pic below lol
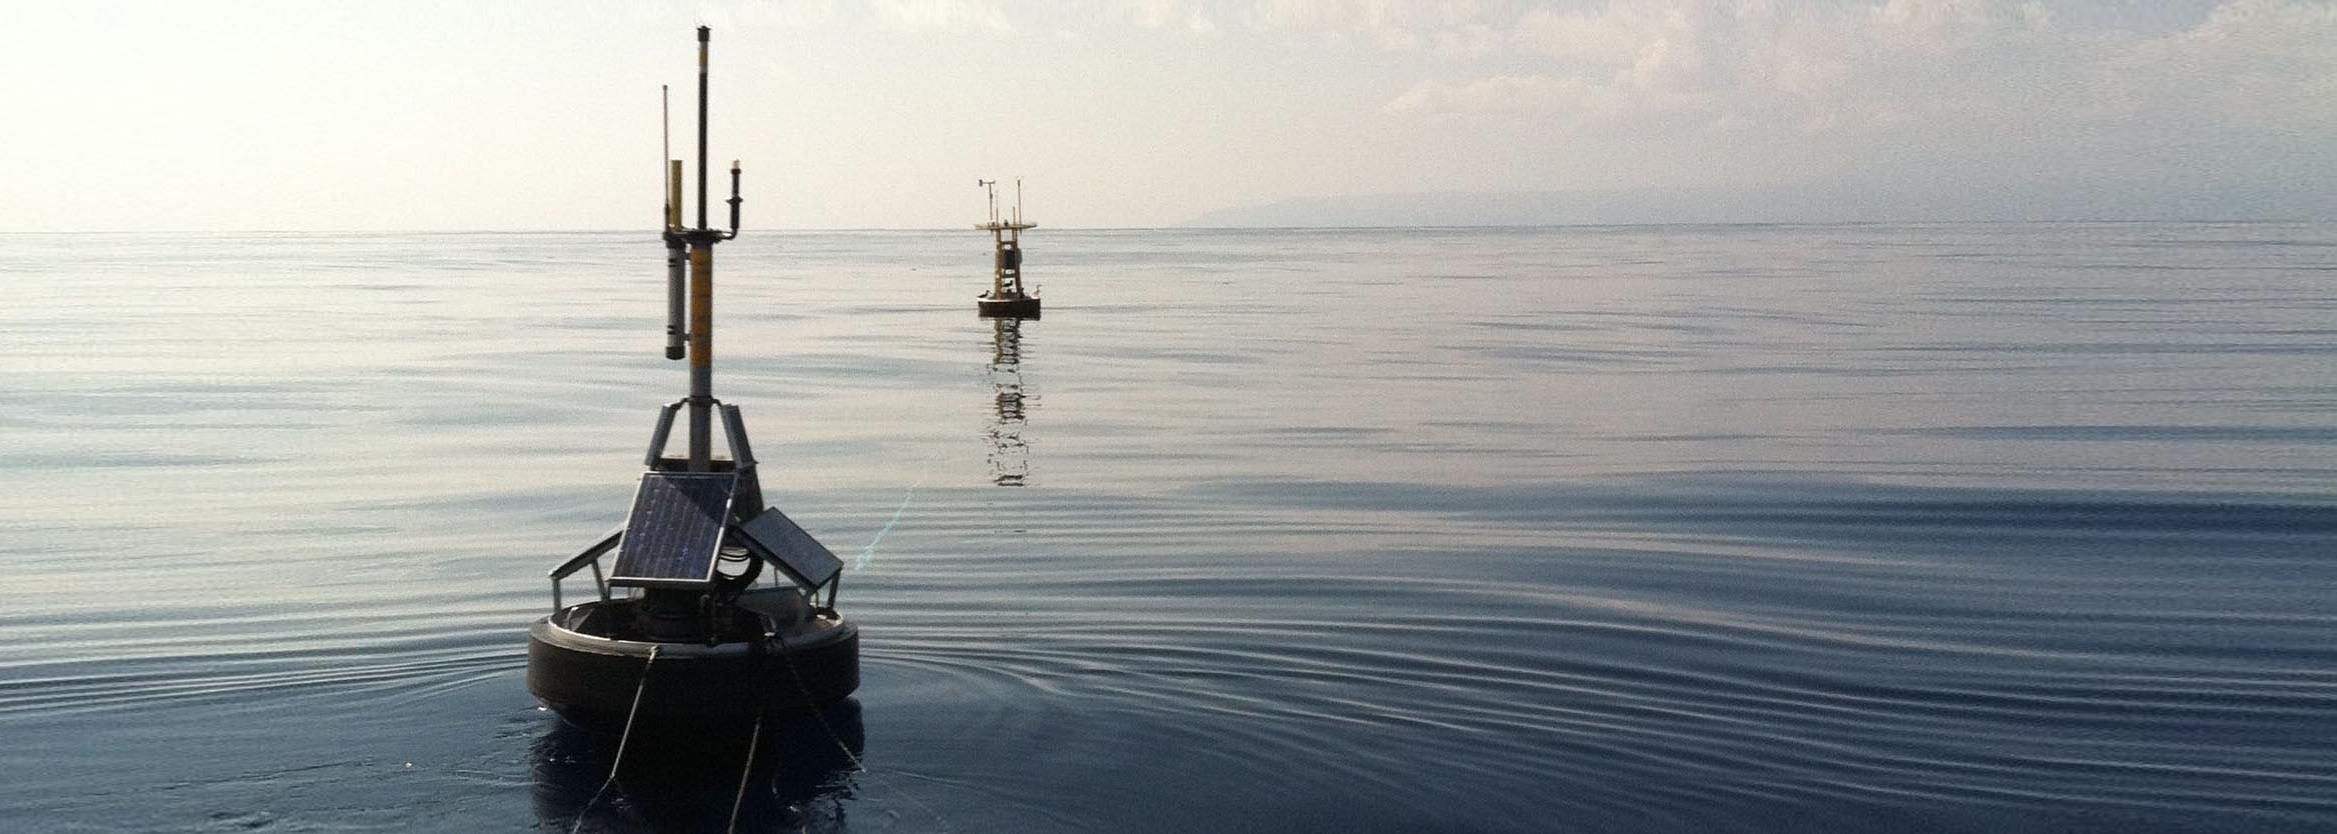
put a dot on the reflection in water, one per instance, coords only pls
(800, 780)
(1010, 454)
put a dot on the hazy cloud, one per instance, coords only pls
(1172, 14)
(1453, 26)
(1828, 67)
(1531, 94)
(942, 14)
(1147, 111)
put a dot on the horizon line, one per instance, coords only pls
(1196, 227)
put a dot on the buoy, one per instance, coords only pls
(680, 633)
(1006, 298)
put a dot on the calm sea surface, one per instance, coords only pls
(1962, 528)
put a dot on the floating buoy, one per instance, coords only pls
(680, 632)
(1006, 298)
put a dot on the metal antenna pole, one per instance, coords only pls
(734, 198)
(676, 254)
(665, 130)
(702, 296)
(705, 34)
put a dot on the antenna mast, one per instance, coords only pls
(676, 254)
(698, 342)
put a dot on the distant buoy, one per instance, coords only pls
(1006, 298)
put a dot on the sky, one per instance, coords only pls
(322, 115)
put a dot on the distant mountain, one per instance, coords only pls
(1799, 203)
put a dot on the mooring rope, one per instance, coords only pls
(788, 655)
(741, 797)
(910, 495)
(622, 738)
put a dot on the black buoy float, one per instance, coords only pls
(680, 632)
(1006, 298)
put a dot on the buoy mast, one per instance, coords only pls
(699, 241)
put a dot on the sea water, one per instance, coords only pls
(1637, 529)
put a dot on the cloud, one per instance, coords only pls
(786, 13)
(1970, 66)
(1527, 94)
(1465, 27)
(987, 15)
(1172, 14)
(2261, 63)
(1189, 16)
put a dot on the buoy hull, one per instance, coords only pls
(591, 681)
(1022, 307)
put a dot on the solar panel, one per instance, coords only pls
(774, 536)
(675, 530)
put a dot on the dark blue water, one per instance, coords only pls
(1665, 529)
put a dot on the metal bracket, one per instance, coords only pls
(590, 556)
(734, 429)
(665, 429)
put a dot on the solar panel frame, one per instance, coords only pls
(674, 532)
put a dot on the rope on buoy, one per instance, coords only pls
(622, 738)
(788, 655)
(741, 797)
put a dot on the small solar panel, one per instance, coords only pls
(774, 536)
(672, 537)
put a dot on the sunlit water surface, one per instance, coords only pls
(1680, 529)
